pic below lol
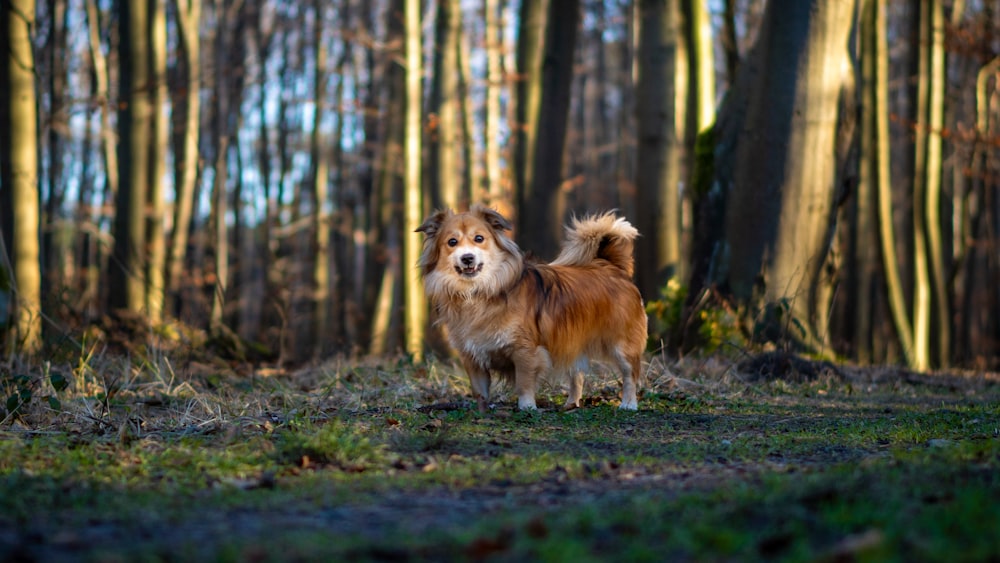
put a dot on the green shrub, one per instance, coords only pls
(704, 329)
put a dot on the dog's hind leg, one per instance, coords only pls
(631, 366)
(575, 374)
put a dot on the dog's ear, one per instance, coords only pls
(433, 223)
(493, 218)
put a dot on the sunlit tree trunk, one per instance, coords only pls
(491, 132)
(699, 107)
(109, 143)
(19, 169)
(155, 233)
(442, 107)
(657, 174)
(186, 156)
(416, 307)
(701, 54)
(388, 192)
(467, 189)
(887, 235)
(930, 293)
(128, 263)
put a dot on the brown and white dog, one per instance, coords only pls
(518, 319)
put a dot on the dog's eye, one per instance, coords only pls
(479, 238)
(452, 241)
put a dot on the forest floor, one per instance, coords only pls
(163, 458)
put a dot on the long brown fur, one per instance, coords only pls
(516, 319)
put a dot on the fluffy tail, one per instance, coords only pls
(604, 236)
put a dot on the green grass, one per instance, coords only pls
(343, 462)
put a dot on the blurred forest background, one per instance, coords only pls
(817, 173)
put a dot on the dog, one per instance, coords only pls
(518, 319)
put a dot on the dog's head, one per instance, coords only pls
(466, 252)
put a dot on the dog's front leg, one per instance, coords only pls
(479, 379)
(527, 367)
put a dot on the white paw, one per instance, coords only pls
(629, 406)
(526, 404)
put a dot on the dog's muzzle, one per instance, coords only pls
(467, 266)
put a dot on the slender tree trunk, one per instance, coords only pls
(85, 243)
(932, 209)
(53, 248)
(186, 157)
(887, 236)
(108, 145)
(416, 307)
(320, 196)
(220, 196)
(155, 233)
(930, 297)
(467, 188)
(864, 265)
(658, 201)
(528, 96)
(128, 264)
(387, 218)
(491, 133)
(344, 193)
(443, 122)
(19, 169)
(699, 108)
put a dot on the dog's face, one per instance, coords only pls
(466, 251)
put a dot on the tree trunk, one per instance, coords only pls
(730, 45)
(220, 168)
(930, 303)
(531, 39)
(19, 169)
(467, 185)
(861, 273)
(491, 133)
(54, 246)
(387, 192)
(128, 265)
(186, 156)
(657, 175)
(442, 107)
(542, 200)
(109, 143)
(320, 176)
(780, 220)
(416, 308)
(887, 237)
(155, 233)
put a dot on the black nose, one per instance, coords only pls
(468, 259)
